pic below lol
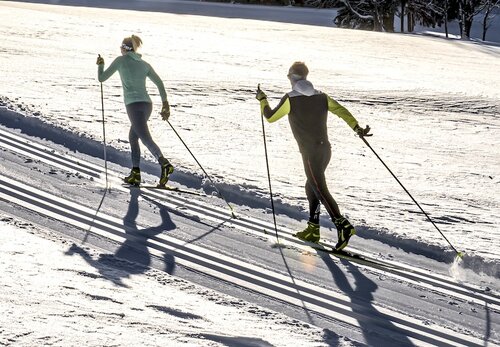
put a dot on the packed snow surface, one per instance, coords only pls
(93, 266)
(433, 106)
(64, 299)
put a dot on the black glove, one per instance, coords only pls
(100, 60)
(260, 94)
(362, 131)
(165, 110)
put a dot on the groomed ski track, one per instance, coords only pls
(204, 244)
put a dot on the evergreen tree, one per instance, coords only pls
(377, 15)
(465, 11)
(428, 13)
(490, 6)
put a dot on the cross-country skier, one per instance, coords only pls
(133, 72)
(308, 111)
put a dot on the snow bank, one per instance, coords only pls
(252, 197)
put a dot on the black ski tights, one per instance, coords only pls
(315, 163)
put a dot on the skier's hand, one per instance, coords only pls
(362, 132)
(100, 60)
(165, 111)
(260, 94)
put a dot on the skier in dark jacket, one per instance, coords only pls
(308, 112)
(133, 72)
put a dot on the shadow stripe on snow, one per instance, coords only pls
(252, 225)
(230, 270)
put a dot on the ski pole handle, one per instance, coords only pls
(100, 60)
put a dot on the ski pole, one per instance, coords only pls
(272, 204)
(105, 168)
(104, 136)
(459, 254)
(197, 162)
(268, 171)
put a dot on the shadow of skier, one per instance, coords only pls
(361, 295)
(133, 256)
(135, 249)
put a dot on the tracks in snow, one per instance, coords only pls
(327, 303)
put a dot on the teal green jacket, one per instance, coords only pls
(133, 72)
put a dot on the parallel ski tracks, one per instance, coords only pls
(320, 300)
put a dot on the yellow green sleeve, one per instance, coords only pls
(280, 111)
(263, 104)
(342, 112)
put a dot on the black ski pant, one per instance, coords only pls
(315, 161)
(138, 113)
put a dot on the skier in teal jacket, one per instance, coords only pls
(307, 110)
(133, 72)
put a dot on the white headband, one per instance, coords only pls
(125, 47)
(296, 77)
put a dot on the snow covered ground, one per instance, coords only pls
(51, 297)
(128, 240)
(434, 120)
(433, 106)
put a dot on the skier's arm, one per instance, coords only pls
(272, 115)
(104, 75)
(153, 76)
(342, 112)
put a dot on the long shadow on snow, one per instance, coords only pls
(192, 241)
(132, 257)
(361, 295)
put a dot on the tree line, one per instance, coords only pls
(379, 15)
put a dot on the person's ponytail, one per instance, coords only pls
(136, 42)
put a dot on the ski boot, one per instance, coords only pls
(134, 178)
(166, 171)
(310, 233)
(344, 232)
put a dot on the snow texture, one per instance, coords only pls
(433, 105)
(52, 297)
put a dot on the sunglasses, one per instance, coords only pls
(125, 47)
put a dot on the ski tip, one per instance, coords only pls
(460, 255)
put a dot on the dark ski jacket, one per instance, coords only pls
(308, 112)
